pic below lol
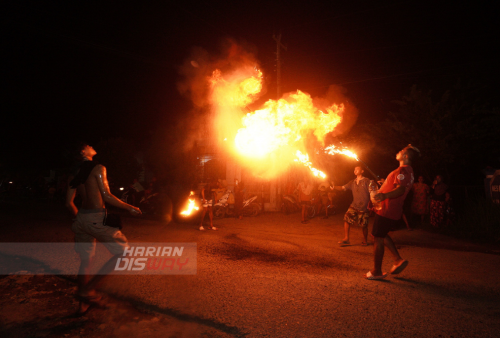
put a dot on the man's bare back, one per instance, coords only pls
(89, 225)
(95, 191)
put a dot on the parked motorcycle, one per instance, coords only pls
(149, 204)
(291, 205)
(250, 207)
(223, 207)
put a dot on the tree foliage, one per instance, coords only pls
(455, 131)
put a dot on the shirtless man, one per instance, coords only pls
(91, 184)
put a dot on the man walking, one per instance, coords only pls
(358, 213)
(392, 195)
(91, 184)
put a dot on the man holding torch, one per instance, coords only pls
(358, 210)
(391, 196)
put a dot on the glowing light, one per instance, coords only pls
(191, 206)
(332, 150)
(304, 159)
(284, 122)
(268, 138)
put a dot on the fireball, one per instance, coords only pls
(274, 136)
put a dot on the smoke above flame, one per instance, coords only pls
(268, 138)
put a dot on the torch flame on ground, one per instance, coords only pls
(190, 207)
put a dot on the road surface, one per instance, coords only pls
(266, 276)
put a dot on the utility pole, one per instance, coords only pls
(277, 38)
(276, 191)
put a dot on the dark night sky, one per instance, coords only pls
(96, 69)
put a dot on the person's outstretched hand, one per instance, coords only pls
(135, 211)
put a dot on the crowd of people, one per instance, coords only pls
(432, 203)
(386, 203)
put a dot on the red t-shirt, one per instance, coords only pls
(393, 207)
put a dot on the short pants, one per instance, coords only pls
(88, 226)
(356, 217)
(207, 204)
(305, 202)
(382, 225)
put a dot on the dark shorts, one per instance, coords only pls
(382, 226)
(305, 202)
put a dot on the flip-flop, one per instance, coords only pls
(345, 242)
(98, 300)
(399, 268)
(369, 276)
(89, 302)
(364, 244)
(80, 313)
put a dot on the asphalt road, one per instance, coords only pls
(271, 276)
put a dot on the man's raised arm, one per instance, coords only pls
(107, 196)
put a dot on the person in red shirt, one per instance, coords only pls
(391, 195)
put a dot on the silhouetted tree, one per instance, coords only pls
(454, 132)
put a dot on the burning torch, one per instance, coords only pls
(332, 150)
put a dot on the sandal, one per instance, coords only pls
(89, 302)
(370, 276)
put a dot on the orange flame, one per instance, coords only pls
(268, 138)
(332, 150)
(190, 206)
(238, 90)
(304, 159)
